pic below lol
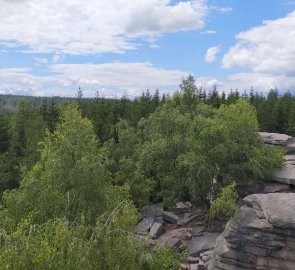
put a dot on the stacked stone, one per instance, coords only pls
(261, 237)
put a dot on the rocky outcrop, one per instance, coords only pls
(280, 140)
(261, 237)
(286, 174)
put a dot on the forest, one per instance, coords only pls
(75, 173)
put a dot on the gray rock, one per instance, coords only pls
(160, 219)
(144, 225)
(153, 210)
(274, 138)
(276, 187)
(156, 230)
(171, 242)
(170, 217)
(252, 241)
(181, 208)
(191, 259)
(286, 174)
(279, 209)
(201, 244)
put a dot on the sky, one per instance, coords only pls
(113, 48)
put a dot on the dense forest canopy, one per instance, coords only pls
(74, 174)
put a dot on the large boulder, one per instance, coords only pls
(203, 243)
(275, 139)
(154, 210)
(261, 237)
(287, 173)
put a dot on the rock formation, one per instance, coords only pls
(261, 237)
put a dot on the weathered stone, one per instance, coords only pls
(194, 267)
(191, 259)
(279, 209)
(286, 174)
(185, 266)
(171, 242)
(276, 187)
(170, 217)
(201, 265)
(275, 138)
(153, 210)
(156, 230)
(264, 242)
(160, 219)
(144, 225)
(181, 208)
(203, 243)
(185, 221)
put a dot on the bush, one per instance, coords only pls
(225, 204)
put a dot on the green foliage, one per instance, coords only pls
(70, 178)
(27, 130)
(225, 204)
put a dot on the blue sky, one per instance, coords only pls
(123, 47)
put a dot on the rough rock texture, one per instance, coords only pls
(170, 217)
(277, 139)
(201, 244)
(144, 225)
(261, 237)
(287, 173)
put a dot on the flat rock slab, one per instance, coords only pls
(181, 208)
(171, 242)
(278, 208)
(276, 187)
(156, 230)
(170, 217)
(201, 244)
(275, 138)
(153, 210)
(144, 225)
(286, 174)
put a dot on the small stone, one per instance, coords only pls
(191, 259)
(184, 266)
(144, 225)
(194, 267)
(171, 242)
(170, 217)
(205, 258)
(156, 230)
(160, 220)
(201, 265)
(188, 236)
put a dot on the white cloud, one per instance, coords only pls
(93, 26)
(211, 54)
(269, 51)
(110, 79)
(209, 32)
(269, 48)
(41, 60)
(221, 9)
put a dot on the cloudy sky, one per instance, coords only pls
(122, 47)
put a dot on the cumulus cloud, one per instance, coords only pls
(269, 51)
(91, 27)
(269, 48)
(110, 79)
(211, 54)
(221, 9)
(209, 32)
(41, 60)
